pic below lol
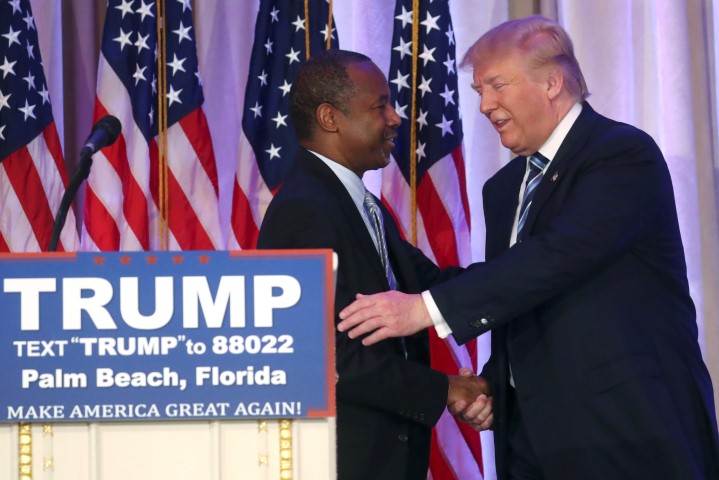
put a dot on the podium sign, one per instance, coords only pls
(166, 335)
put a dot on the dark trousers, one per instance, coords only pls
(522, 461)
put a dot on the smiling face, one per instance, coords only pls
(517, 101)
(367, 126)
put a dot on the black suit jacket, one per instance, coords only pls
(592, 311)
(386, 404)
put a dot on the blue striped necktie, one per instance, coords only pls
(375, 216)
(537, 164)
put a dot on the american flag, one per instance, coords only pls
(123, 194)
(442, 207)
(268, 143)
(32, 169)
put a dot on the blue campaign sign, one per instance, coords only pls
(166, 335)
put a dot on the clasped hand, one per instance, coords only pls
(469, 400)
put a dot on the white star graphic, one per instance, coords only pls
(420, 151)
(173, 96)
(199, 78)
(45, 95)
(285, 87)
(299, 24)
(274, 151)
(144, 10)
(403, 48)
(154, 84)
(124, 39)
(257, 109)
(15, 4)
(424, 86)
(263, 78)
(406, 17)
(30, 79)
(185, 4)
(274, 13)
(28, 110)
(176, 64)
(12, 37)
(2, 127)
(141, 42)
(430, 22)
(445, 125)
(139, 74)
(400, 81)
(450, 34)
(126, 7)
(448, 96)
(30, 52)
(325, 32)
(293, 56)
(279, 120)
(151, 114)
(427, 55)
(400, 109)
(449, 64)
(422, 119)
(7, 68)
(268, 46)
(29, 21)
(183, 33)
(4, 100)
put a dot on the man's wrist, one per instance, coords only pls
(440, 325)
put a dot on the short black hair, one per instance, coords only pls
(322, 79)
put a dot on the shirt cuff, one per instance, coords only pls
(440, 325)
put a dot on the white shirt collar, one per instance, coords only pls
(551, 146)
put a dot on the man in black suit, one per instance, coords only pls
(388, 398)
(595, 372)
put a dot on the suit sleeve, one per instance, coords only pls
(617, 198)
(376, 376)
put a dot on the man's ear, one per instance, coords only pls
(555, 82)
(326, 116)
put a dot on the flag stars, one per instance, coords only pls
(424, 86)
(185, 4)
(139, 74)
(326, 33)
(403, 48)
(28, 110)
(124, 39)
(15, 4)
(173, 96)
(449, 64)
(30, 52)
(268, 46)
(422, 119)
(279, 120)
(401, 81)
(151, 114)
(420, 151)
(299, 24)
(293, 56)
(405, 17)
(7, 67)
(30, 79)
(285, 87)
(199, 78)
(141, 42)
(125, 7)
(153, 83)
(183, 33)
(29, 21)
(45, 95)
(12, 37)
(257, 109)
(274, 14)
(2, 128)
(4, 100)
(401, 110)
(430, 23)
(450, 34)
(427, 55)
(445, 125)
(176, 64)
(263, 78)
(274, 151)
(145, 10)
(448, 96)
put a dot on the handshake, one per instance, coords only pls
(469, 399)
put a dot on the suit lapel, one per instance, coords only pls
(500, 206)
(571, 147)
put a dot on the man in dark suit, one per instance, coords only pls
(595, 371)
(388, 398)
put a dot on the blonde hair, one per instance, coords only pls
(542, 42)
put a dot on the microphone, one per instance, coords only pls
(103, 133)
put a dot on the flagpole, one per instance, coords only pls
(162, 169)
(413, 123)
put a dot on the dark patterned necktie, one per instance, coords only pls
(375, 216)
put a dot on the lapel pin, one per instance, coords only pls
(555, 176)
